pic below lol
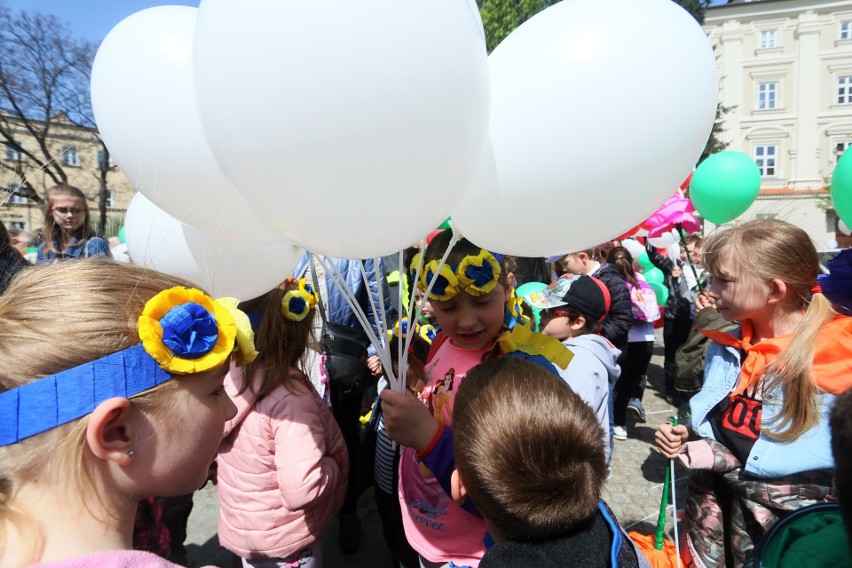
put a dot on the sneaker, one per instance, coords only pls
(619, 432)
(634, 407)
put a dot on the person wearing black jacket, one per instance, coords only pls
(11, 260)
(678, 315)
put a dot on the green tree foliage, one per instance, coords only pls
(501, 17)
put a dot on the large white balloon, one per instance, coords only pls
(242, 270)
(355, 126)
(593, 120)
(143, 97)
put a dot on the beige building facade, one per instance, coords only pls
(785, 71)
(78, 151)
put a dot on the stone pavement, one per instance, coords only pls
(633, 492)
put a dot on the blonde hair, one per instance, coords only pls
(52, 233)
(53, 318)
(769, 249)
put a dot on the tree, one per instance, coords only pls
(501, 17)
(44, 96)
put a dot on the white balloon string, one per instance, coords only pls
(403, 371)
(674, 511)
(379, 316)
(413, 314)
(339, 281)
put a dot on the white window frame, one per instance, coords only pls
(767, 39)
(12, 154)
(844, 89)
(766, 158)
(110, 198)
(71, 157)
(841, 147)
(110, 163)
(845, 31)
(767, 95)
(21, 225)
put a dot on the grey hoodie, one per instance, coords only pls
(590, 373)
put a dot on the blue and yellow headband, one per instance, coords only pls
(424, 331)
(475, 274)
(298, 303)
(183, 331)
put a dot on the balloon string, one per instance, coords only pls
(413, 313)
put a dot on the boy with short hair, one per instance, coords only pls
(573, 310)
(529, 455)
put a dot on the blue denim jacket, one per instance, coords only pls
(768, 458)
(94, 246)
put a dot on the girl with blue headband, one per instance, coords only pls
(110, 392)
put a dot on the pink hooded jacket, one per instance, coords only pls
(283, 470)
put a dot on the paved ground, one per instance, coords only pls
(633, 492)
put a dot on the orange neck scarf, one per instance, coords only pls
(832, 366)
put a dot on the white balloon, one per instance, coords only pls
(665, 240)
(143, 97)
(593, 121)
(354, 125)
(634, 247)
(242, 270)
(843, 227)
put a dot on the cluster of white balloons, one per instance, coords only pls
(354, 128)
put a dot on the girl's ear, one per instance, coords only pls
(457, 488)
(777, 291)
(109, 434)
(510, 280)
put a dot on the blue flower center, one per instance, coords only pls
(297, 305)
(189, 330)
(481, 275)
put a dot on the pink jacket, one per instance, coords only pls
(283, 470)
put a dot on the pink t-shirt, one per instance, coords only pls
(435, 525)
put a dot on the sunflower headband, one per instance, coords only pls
(183, 331)
(475, 274)
(424, 331)
(298, 303)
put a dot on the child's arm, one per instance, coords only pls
(310, 455)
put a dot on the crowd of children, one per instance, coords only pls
(118, 384)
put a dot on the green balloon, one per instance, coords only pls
(724, 185)
(661, 291)
(644, 261)
(445, 224)
(654, 275)
(121, 234)
(841, 188)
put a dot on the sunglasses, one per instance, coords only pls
(67, 210)
(554, 313)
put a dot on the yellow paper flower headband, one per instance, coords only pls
(183, 331)
(475, 274)
(424, 331)
(298, 303)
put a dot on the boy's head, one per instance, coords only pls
(571, 306)
(582, 262)
(470, 293)
(528, 450)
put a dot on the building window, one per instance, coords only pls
(13, 153)
(766, 216)
(844, 89)
(766, 99)
(764, 157)
(110, 199)
(768, 39)
(103, 162)
(841, 147)
(846, 30)
(16, 194)
(20, 225)
(70, 157)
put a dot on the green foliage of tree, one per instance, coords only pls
(501, 17)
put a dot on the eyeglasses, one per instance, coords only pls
(67, 210)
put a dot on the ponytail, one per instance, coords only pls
(792, 372)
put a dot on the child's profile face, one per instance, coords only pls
(472, 322)
(574, 264)
(185, 444)
(555, 322)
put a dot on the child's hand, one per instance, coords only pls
(671, 438)
(703, 301)
(407, 420)
(375, 365)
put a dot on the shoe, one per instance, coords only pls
(350, 533)
(634, 407)
(619, 432)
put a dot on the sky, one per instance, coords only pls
(91, 19)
